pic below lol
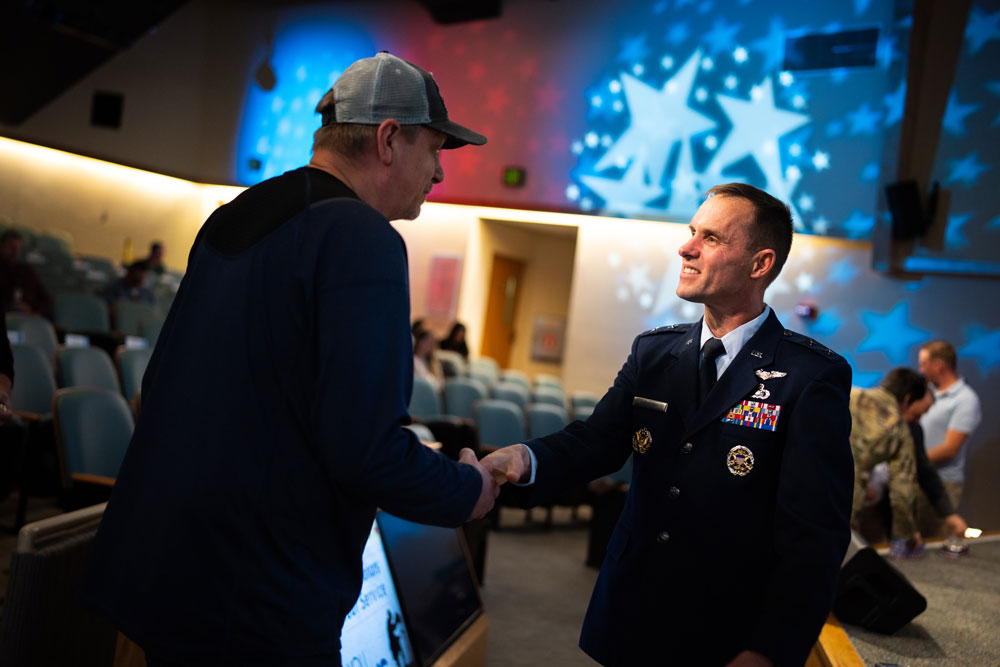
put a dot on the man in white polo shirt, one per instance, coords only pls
(951, 420)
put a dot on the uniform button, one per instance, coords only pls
(674, 492)
(687, 448)
(663, 537)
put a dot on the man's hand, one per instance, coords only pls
(955, 525)
(509, 464)
(490, 489)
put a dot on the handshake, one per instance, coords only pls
(508, 464)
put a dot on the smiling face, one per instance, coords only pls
(717, 263)
(417, 168)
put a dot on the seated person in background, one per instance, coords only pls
(455, 341)
(20, 287)
(879, 433)
(131, 286)
(155, 260)
(417, 328)
(424, 363)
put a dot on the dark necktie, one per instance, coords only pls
(706, 371)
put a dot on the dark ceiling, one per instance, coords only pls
(49, 45)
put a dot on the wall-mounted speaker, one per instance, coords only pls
(909, 218)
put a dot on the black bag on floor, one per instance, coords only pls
(875, 595)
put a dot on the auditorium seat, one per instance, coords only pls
(514, 392)
(544, 380)
(131, 364)
(548, 394)
(500, 422)
(80, 312)
(460, 396)
(150, 329)
(37, 331)
(129, 316)
(35, 383)
(43, 624)
(545, 418)
(452, 363)
(582, 404)
(87, 367)
(93, 429)
(425, 403)
(515, 376)
(484, 369)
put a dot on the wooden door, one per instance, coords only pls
(501, 309)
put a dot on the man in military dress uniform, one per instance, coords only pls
(738, 515)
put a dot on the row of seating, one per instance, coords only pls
(460, 395)
(37, 380)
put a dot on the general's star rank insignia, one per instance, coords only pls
(642, 440)
(740, 461)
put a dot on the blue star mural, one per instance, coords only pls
(983, 346)
(722, 36)
(864, 120)
(954, 235)
(892, 334)
(894, 103)
(981, 28)
(955, 114)
(965, 171)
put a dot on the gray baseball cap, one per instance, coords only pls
(376, 89)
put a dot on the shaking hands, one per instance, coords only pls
(508, 464)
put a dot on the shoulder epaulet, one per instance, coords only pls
(669, 328)
(807, 342)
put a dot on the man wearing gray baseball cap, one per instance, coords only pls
(274, 404)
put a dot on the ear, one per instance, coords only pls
(385, 138)
(763, 262)
(905, 403)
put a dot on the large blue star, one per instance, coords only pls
(628, 195)
(678, 33)
(826, 324)
(954, 235)
(892, 334)
(659, 119)
(864, 120)
(843, 271)
(758, 125)
(633, 49)
(894, 103)
(966, 170)
(722, 36)
(983, 346)
(858, 225)
(955, 113)
(982, 28)
(773, 45)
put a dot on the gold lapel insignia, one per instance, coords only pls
(740, 461)
(642, 440)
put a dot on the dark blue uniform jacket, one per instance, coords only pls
(706, 562)
(270, 430)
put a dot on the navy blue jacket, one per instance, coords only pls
(271, 429)
(705, 562)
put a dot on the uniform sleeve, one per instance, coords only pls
(584, 450)
(902, 483)
(365, 378)
(812, 520)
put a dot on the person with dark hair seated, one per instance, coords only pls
(455, 340)
(20, 287)
(131, 286)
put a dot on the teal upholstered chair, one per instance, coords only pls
(461, 395)
(545, 418)
(130, 315)
(425, 403)
(37, 331)
(34, 383)
(78, 311)
(131, 365)
(87, 367)
(93, 429)
(500, 422)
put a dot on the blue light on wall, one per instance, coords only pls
(277, 126)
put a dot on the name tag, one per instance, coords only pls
(754, 415)
(649, 404)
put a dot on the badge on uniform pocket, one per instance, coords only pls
(739, 461)
(642, 440)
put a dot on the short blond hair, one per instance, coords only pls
(943, 350)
